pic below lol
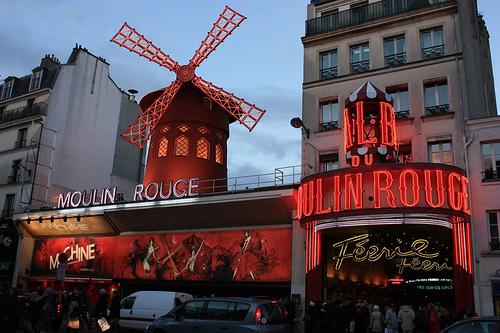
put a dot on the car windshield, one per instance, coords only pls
(172, 312)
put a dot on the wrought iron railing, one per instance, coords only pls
(395, 59)
(329, 126)
(437, 110)
(405, 114)
(13, 179)
(6, 213)
(491, 174)
(20, 143)
(433, 52)
(362, 14)
(23, 112)
(328, 73)
(281, 176)
(360, 66)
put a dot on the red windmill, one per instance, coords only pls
(190, 140)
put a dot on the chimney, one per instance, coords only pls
(49, 61)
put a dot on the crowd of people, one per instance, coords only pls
(50, 310)
(362, 317)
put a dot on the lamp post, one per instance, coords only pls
(298, 123)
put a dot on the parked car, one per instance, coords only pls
(139, 309)
(475, 325)
(228, 314)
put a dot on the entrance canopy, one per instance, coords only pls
(247, 208)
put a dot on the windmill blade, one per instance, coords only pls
(139, 132)
(247, 114)
(228, 20)
(130, 39)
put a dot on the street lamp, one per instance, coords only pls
(297, 123)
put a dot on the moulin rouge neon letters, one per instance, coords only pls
(402, 186)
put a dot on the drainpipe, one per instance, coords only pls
(475, 273)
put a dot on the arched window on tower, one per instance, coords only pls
(181, 146)
(202, 148)
(219, 154)
(163, 147)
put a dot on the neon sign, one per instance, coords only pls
(414, 258)
(370, 127)
(413, 187)
(153, 191)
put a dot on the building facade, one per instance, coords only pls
(45, 117)
(421, 54)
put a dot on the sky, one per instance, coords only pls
(260, 62)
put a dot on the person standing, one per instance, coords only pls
(376, 320)
(391, 320)
(114, 310)
(73, 315)
(433, 319)
(101, 308)
(406, 317)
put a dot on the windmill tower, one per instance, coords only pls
(187, 122)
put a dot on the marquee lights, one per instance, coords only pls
(397, 186)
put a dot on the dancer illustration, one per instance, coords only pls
(148, 261)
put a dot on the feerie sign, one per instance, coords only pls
(153, 191)
(415, 187)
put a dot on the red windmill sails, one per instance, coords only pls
(187, 123)
(247, 114)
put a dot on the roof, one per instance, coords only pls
(50, 67)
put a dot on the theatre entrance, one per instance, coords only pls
(382, 264)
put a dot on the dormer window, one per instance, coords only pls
(36, 79)
(7, 89)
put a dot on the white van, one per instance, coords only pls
(139, 309)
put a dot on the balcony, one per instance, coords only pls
(14, 179)
(24, 112)
(433, 52)
(490, 174)
(395, 59)
(360, 66)
(6, 213)
(437, 110)
(362, 14)
(329, 126)
(402, 114)
(328, 73)
(20, 144)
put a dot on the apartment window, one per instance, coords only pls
(329, 115)
(394, 49)
(8, 206)
(36, 79)
(163, 147)
(493, 227)
(440, 152)
(21, 138)
(431, 42)
(436, 98)
(8, 86)
(181, 146)
(14, 172)
(400, 101)
(360, 58)
(329, 162)
(404, 153)
(491, 160)
(202, 148)
(328, 65)
(219, 154)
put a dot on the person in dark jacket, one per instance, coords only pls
(101, 308)
(114, 310)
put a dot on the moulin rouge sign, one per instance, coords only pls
(153, 191)
(375, 182)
